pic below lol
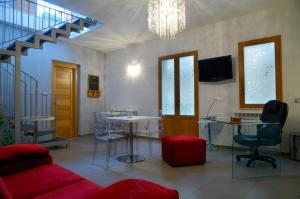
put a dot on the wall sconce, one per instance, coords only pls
(133, 70)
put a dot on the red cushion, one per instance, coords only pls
(4, 192)
(181, 138)
(81, 190)
(21, 151)
(38, 181)
(183, 150)
(18, 166)
(137, 189)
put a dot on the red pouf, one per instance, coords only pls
(183, 150)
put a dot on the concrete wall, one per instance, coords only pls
(210, 41)
(38, 64)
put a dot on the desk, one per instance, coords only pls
(131, 157)
(223, 120)
(249, 128)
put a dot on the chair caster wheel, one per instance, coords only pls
(248, 165)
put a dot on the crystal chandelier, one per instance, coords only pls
(166, 17)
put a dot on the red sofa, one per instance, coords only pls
(26, 171)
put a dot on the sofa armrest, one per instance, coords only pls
(19, 157)
(137, 188)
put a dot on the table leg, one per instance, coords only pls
(35, 133)
(211, 147)
(131, 157)
(131, 140)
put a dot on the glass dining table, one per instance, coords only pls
(131, 120)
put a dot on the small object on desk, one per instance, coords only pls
(235, 120)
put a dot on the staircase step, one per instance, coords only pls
(6, 60)
(77, 22)
(6, 54)
(63, 27)
(30, 39)
(12, 47)
(60, 32)
(44, 38)
(24, 46)
(48, 32)
(89, 22)
(74, 27)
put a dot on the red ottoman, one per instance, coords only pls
(183, 150)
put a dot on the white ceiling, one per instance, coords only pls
(124, 22)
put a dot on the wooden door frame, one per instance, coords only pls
(74, 67)
(176, 82)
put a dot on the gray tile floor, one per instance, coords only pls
(212, 180)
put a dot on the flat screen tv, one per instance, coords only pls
(215, 69)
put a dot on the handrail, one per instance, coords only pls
(22, 72)
(48, 7)
(29, 87)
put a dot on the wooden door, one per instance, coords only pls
(64, 88)
(178, 93)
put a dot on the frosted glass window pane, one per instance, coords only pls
(259, 72)
(168, 87)
(187, 95)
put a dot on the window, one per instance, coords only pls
(168, 87)
(260, 71)
(186, 85)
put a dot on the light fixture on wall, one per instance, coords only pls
(133, 70)
(166, 17)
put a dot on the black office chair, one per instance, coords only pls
(267, 135)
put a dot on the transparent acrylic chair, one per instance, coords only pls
(105, 133)
(153, 129)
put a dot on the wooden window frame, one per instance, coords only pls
(278, 68)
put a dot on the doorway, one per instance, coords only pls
(64, 88)
(178, 93)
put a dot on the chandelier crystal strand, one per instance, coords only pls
(166, 17)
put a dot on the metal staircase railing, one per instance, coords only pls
(21, 18)
(29, 91)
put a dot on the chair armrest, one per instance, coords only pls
(15, 158)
